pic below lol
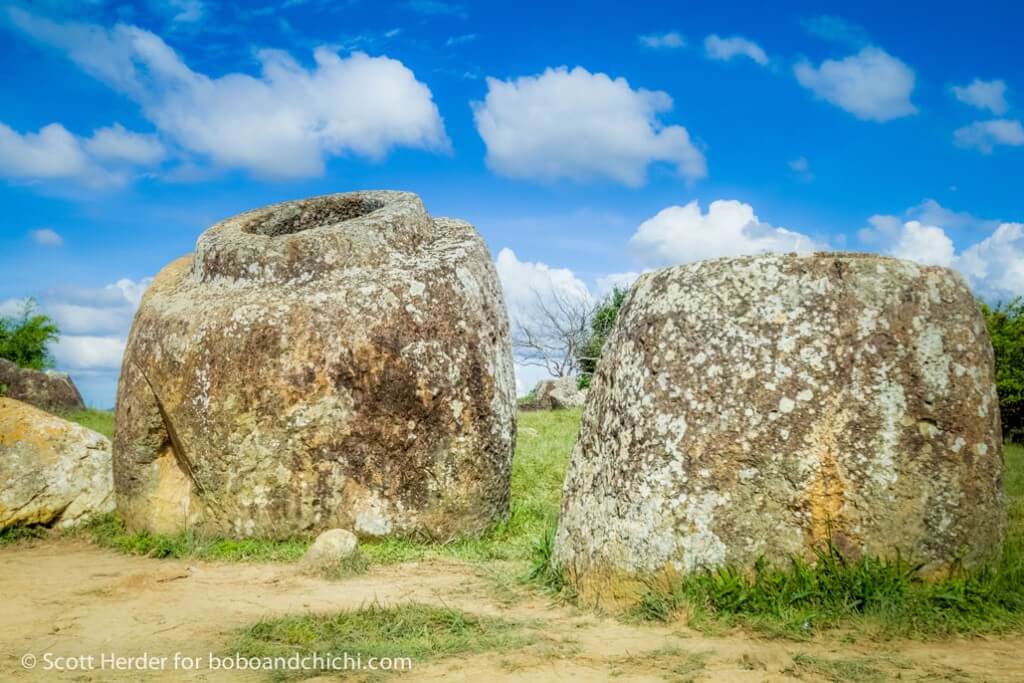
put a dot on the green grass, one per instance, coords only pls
(538, 470)
(101, 421)
(870, 596)
(416, 631)
(16, 534)
(109, 531)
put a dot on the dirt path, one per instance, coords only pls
(72, 599)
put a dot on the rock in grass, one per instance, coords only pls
(341, 361)
(52, 472)
(331, 546)
(560, 392)
(764, 406)
(46, 389)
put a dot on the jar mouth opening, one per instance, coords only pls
(292, 217)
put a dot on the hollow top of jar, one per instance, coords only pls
(307, 238)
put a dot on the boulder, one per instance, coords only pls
(52, 472)
(340, 361)
(764, 406)
(332, 546)
(46, 389)
(560, 392)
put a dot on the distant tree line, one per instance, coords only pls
(1005, 323)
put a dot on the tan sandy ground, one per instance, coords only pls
(68, 597)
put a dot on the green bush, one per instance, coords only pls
(1006, 327)
(24, 339)
(601, 326)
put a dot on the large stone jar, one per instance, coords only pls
(341, 361)
(764, 406)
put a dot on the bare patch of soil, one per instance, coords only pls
(71, 598)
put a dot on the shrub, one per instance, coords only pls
(601, 325)
(24, 339)
(1006, 327)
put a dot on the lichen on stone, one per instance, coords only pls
(761, 406)
(342, 361)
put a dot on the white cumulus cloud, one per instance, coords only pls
(13, 308)
(606, 284)
(54, 153)
(725, 49)
(84, 352)
(923, 243)
(93, 322)
(115, 143)
(989, 95)
(526, 284)
(582, 126)
(993, 265)
(985, 136)
(283, 122)
(871, 84)
(94, 325)
(523, 281)
(680, 234)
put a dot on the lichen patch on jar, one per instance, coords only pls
(340, 361)
(761, 406)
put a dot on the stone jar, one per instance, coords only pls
(767, 405)
(340, 361)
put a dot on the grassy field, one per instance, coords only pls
(412, 632)
(101, 421)
(869, 597)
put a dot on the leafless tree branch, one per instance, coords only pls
(553, 336)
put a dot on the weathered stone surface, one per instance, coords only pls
(560, 392)
(754, 406)
(342, 361)
(52, 472)
(331, 546)
(53, 391)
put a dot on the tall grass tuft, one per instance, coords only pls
(881, 595)
(884, 597)
(875, 596)
(543, 568)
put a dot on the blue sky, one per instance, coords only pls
(586, 146)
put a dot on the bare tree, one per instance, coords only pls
(555, 332)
